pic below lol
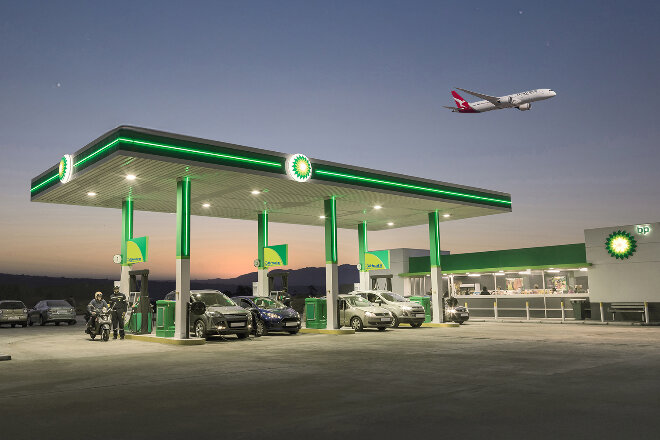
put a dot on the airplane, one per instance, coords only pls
(522, 101)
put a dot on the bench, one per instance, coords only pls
(630, 307)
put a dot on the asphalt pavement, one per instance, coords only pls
(482, 380)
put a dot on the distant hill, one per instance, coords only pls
(31, 289)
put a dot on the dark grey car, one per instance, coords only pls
(222, 315)
(52, 310)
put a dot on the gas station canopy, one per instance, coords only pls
(233, 181)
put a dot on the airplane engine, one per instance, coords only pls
(524, 107)
(508, 100)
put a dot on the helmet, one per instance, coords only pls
(98, 295)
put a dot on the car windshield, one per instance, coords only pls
(12, 305)
(268, 303)
(213, 299)
(58, 303)
(394, 297)
(357, 301)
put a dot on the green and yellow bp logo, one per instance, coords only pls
(299, 168)
(66, 168)
(620, 244)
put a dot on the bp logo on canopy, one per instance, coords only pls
(620, 245)
(298, 167)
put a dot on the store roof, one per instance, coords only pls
(224, 176)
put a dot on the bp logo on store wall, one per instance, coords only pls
(66, 168)
(299, 168)
(620, 244)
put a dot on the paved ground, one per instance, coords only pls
(482, 380)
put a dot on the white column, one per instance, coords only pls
(124, 281)
(182, 298)
(331, 290)
(436, 294)
(262, 283)
(365, 281)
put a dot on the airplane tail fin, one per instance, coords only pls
(461, 103)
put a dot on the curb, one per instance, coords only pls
(167, 341)
(440, 324)
(5, 357)
(325, 331)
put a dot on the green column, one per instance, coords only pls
(330, 208)
(262, 223)
(434, 238)
(362, 244)
(183, 218)
(126, 227)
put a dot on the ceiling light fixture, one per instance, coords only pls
(91, 193)
(255, 192)
(130, 177)
(378, 207)
(206, 205)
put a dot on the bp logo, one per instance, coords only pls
(66, 168)
(299, 168)
(620, 244)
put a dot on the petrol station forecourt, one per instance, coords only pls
(132, 168)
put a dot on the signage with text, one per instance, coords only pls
(136, 250)
(376, 260)
(277, 255)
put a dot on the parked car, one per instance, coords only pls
(52, 310)
(402, 309)
(456, 313)
(359, 313)
(269, 315)
(13, 312)
(222, 315)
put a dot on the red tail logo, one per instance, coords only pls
(461, 103)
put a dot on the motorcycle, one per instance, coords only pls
(101, 325)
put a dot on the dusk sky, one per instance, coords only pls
(356, 82)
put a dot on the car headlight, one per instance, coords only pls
(406, 308)
(369, 314)
(452, 310)
(270, 315)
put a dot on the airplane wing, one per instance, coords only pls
(454, 109)
(491, 99)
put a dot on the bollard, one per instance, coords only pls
(602, 315)
(495, 308)
(527, 309)
(646, 312)
(563, 315)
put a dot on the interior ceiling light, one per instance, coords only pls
(206, 205)
(446, 215)
(321, 216)
(390, 224)
(130, 177)
(255, 192)
(91, 193)
(378, 207)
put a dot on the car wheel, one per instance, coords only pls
(382, 329)
(13, 325)
(42, 321)
(416, 324)
(57, 322)
(241, 335)
(260, 329)
(72, 322)
(356, 324)
(294, 332)
(200, 329)
(395, 321)
(24, 324)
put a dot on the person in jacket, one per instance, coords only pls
(93, 308)
(118, 306)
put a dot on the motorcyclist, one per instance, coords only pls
(118, 306)
(93, 308)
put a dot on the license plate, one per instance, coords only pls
(384, 319)
(292, 323)
(419, 315)
(464, 314)
(236, 324)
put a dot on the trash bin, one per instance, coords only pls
(425, 301)
(165, 318)
(316, 313)
(580, 308)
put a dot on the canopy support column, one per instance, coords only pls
(126, 234)
(331, 274)
(182, 258)
(262, 270)
(436, 271)
(362, 249)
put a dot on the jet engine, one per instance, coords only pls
(524, 107)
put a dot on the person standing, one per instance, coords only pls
(484, 291)
(118, 306)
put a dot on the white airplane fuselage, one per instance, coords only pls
(521, 101)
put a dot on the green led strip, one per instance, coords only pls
(45, 182)
(409, 186)
(96, 153)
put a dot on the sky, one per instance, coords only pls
(361, 83)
